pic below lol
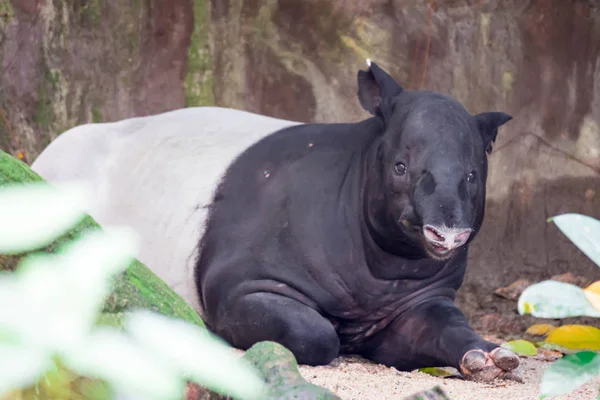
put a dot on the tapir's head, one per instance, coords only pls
(428, 169)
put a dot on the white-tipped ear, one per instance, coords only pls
(368, 62)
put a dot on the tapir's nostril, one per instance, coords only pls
(433, 234)
(462, 237)
(446, 237)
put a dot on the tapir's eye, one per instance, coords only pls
(400, 168)
(471, 176)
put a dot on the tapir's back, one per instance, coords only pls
(157, 174)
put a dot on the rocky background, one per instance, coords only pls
(68, 62)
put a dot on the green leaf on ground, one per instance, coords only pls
(521, 347)
(434, 371)
(569, 373)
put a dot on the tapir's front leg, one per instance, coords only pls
(437, 334)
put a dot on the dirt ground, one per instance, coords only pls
(352, 378)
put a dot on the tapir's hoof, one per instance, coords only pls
(480, 366)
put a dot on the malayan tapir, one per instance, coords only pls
(329, 238)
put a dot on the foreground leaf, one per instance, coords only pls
(20, 366)
(583, 231)
(33, 215)
(552, 299)
(195, 353)
(582, 337)
(569, 373)
(540, 329)
(131, 369)
(521, 347)
(137, 287)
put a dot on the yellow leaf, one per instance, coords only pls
(540, 329)
(576, 337)
(592, 293)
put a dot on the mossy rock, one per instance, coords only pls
(279, 368)
(136, 287)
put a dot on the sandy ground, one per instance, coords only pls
(352, 378)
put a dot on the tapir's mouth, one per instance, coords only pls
(438, 252)
(433, 250)
(440, 249)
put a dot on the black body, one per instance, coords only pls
(353, 238)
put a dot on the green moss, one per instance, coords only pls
(136, 287)
(44, 113)
(96, 115)
(199, 82)
(91, 13)
(7, 13)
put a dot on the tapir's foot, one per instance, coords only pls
(481, 366)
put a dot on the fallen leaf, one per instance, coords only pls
(514, 290)
(571, 278)
(581, 337)
(434, 371)
(592, 293)
(548, 355)
(521, 347)
(540, 329)
(556, 348)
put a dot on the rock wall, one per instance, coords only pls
(537, 60)
(70, 62)
(67, 62)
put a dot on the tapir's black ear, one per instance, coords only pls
(376, 90)
(488, 124)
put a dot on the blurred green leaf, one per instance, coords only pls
(113, 356)
(20, 366)
(521, 347)
(553, 299)
(570, 372)
(34, 215)
(583, 231)
(196, 353)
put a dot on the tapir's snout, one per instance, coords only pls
(444, 239)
